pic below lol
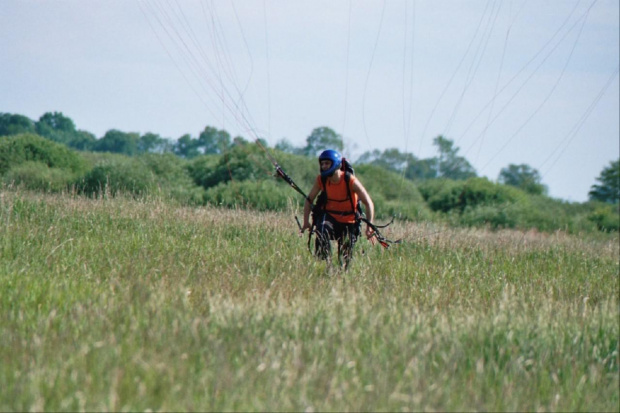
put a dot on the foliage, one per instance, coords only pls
(118, 175)
(13, 124)
(449, 164)
(172, 177)
(242, 162)
(399, 183)
(56, 126)
(284, 145)
(609, 188)
(523, 177)
(210, 141)
(214, 141)
(153, 143)
(83, 141)
(392, 194)
(265, 195)
(321, 139)
(37, 176)
(391, 159)
(480, 202)
(301, 169)
(449, 195)
(186, 147)
(201, 168)
(116, 141)
(421, 169)
(606, 218)
(17, 149)
(60, 128)
(548, 214)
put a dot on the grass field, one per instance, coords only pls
(142, 305)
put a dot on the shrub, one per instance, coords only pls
(28, 147)
(38, 176)
(242, 162)
(447, 195)
(606, 218)
(392, 194)
(495, 217)
(172, 177)
(200, 169)
(260, 195)
(118, 175)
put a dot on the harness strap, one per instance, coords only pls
(347, 180)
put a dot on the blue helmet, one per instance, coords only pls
(330, 155)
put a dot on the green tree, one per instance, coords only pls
(186, 147)
(320, 139)
(368, 157)
(57, 127)
(240, 140)
(83, 141)
(242, 162)
(116, 141)
(391, 159)
(523, 177)
(449, 164)
(13, 124)
(608, 189)
(152, 143)
(213, 141)
(286, 146)
(421, 169)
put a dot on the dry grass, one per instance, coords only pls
(134, 305)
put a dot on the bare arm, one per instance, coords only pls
(308, 205)
(361, 192)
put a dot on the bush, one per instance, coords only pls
(260, 195)
(442, 195)
(606, 218)
(28, 147)
(200, 169)
(392, 194)
(302, 169)
(495, 217)
(118, 175)
(38, 176)
(243, 162)
(448, 195)
(172, 177)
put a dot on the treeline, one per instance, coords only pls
(52, 155)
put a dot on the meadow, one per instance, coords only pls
(143, 305)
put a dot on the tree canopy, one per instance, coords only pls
(11, 124)
(522, 176)
(320, 139)
(608, 189)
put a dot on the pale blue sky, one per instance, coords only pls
(510, 82)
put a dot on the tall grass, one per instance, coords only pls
(119, 304)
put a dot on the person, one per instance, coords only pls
(337, 217)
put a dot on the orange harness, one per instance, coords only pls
(341, 200)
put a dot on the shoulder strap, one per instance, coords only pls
(347, 179)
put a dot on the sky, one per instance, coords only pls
(509, 82)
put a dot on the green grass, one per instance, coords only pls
(142, 305)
